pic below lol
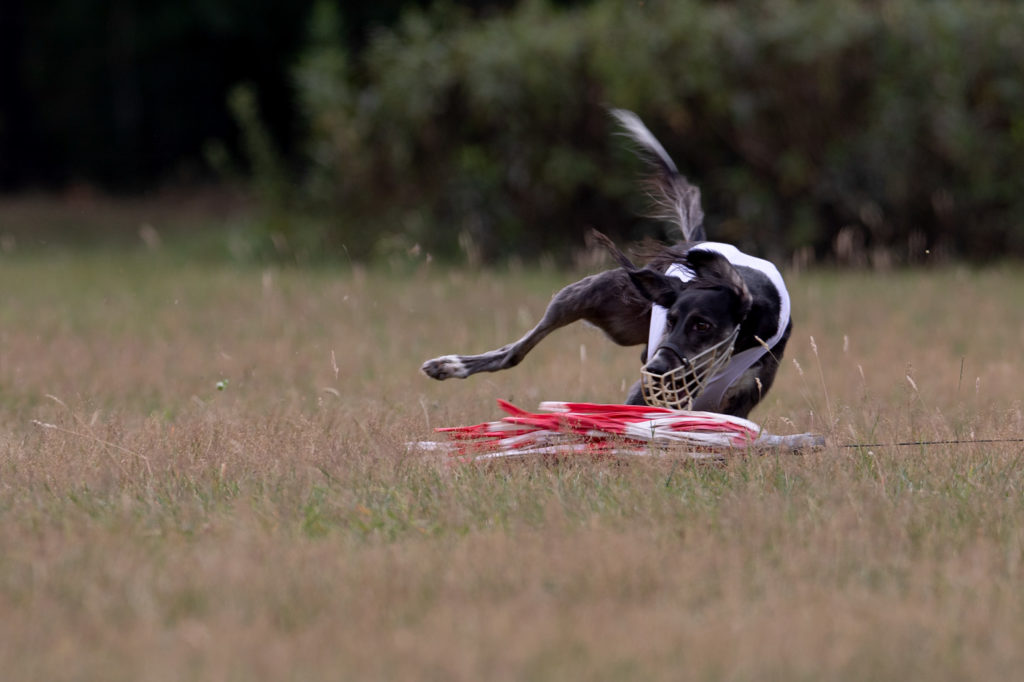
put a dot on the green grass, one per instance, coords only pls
(160, 528)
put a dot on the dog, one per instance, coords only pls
(714, 320)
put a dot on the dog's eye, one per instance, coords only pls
(671, 320)
(700, 326)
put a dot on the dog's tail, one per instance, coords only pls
(622, 259)
(675, 199)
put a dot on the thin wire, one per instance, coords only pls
(931, 442)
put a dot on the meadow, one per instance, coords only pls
(204, 475)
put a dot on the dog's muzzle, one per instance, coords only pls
(678, 388)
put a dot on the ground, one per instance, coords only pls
(203, 475)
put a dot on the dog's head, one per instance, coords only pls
(703, 318)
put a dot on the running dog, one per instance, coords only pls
(715, 320)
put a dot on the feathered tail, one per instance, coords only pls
(675, 199)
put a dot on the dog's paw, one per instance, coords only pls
(445, 367)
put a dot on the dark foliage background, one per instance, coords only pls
(862, 131)
(125, 94)
(865, 131)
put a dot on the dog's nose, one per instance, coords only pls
(661, 363)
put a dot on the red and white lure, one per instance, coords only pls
(564, 428)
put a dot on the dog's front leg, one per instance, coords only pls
(635, 395)
(607, 300)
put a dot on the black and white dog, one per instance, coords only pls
(717, 319)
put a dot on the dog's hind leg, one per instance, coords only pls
(607, 300)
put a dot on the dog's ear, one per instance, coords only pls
(656, 287)
(711, 267)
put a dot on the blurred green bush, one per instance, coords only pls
(864, 131)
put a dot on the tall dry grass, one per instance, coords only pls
(154, 527)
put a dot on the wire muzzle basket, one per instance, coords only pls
(678, 388)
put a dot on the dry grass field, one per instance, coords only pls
(154, 527)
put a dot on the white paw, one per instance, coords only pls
(445, 367)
